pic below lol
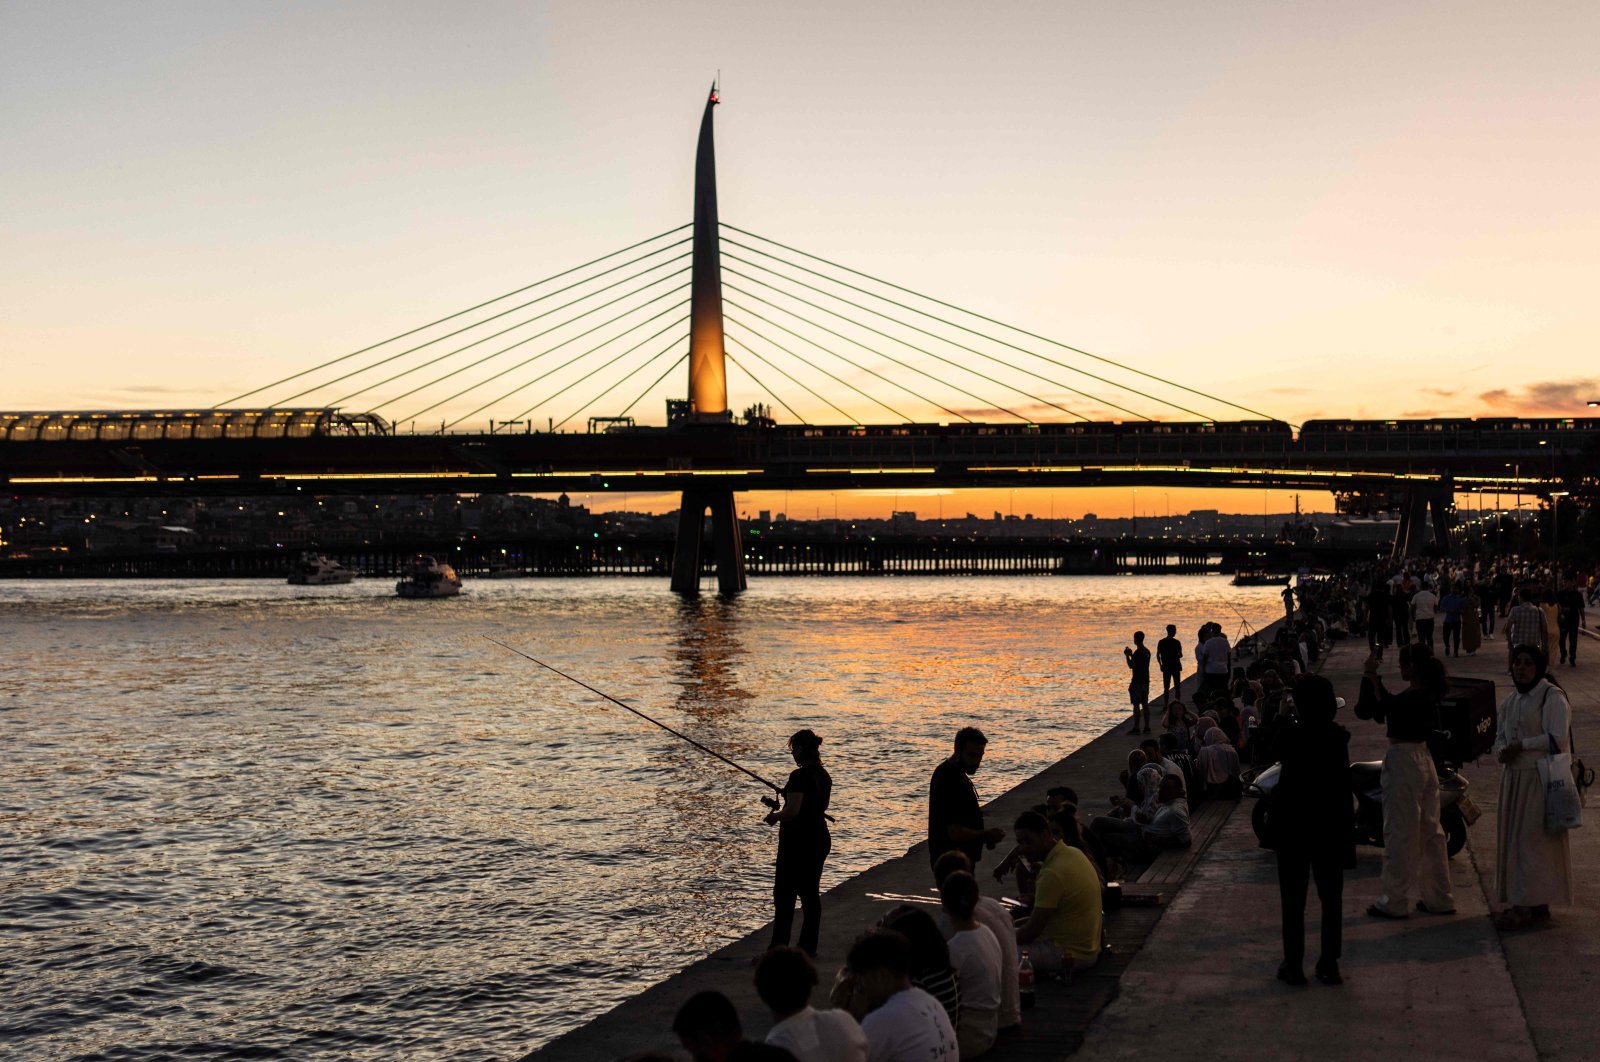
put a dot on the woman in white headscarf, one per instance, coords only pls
(1533, 867)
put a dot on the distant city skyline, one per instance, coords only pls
(1368, 211)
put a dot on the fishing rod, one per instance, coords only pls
(768, 801)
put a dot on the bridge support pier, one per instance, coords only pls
(725, 535)
(1418, 504)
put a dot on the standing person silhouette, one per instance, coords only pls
(803, 844)
(1169, 652)
(1313, 827)
(1138, 658)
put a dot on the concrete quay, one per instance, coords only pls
(1194, 975)
(1051, 1030)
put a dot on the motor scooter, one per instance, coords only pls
(1456, 809)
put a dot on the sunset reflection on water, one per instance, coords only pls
(381, 832)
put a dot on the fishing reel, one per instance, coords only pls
(772, 803)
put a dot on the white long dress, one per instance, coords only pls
(1532, 866)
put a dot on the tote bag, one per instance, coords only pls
(1563, 808)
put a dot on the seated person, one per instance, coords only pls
(930, 968)
(1218, 766)
(708, 1027)
(1059, 796)
(903, 1023)
(1066, 828)
(975, 953)
(784, 980)
(1176, 719)
(1148, 784)
(1141, 841)
(989, 912)
(1063, 931)
(1151, 748)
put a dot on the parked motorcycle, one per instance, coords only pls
(1456, 809)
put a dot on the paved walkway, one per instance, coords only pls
(1428, 988)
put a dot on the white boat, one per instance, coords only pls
(429, 577)
(317, 569)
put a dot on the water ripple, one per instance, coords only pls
(244, 821)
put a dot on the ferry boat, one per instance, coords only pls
(1259, 578)
(318, 569)
(429, 577)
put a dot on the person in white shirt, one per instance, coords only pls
(1424, 606)
(903, 1023)
(784, 980)
(989, 912)
(1214, 660)
(975, 953)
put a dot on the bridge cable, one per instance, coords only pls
(959, 346)
(563, 390)
(551, 372)
(984, 403)
(683, 358)
(779, 369)
(631, 374)
(841, 357)
(529, 339)
(765, 388)
(921, 350)
(551, 350)
(479, 306)
(495, 335)
(1002, 324)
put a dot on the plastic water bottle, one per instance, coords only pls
(1025, 980)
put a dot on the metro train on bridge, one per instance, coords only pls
(1315, 437)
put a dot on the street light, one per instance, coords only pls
(1594, 402)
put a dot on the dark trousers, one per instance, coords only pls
(799, 876)
(1425, 632)
(1452, 635)
(1486, 614)
(1295, 870)
(1170, 681)
(1402, 628)
(1567, 638)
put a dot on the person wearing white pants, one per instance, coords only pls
(1414, 849)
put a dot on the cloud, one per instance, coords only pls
(1558, 397)
(1442, 392)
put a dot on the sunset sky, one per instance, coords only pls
(1356, 210)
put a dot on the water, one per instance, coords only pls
(248, 819)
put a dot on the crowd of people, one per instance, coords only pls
(942, 984)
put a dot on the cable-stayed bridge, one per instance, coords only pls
(847, 380)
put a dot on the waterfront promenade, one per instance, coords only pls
(1194, 976)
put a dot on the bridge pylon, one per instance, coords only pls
(708, 385)
(725, 534)
(1417, 504)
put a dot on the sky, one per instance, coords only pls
(1353, 210)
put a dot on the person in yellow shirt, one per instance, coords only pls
(1063, 931)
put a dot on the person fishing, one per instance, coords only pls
(803, 844)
